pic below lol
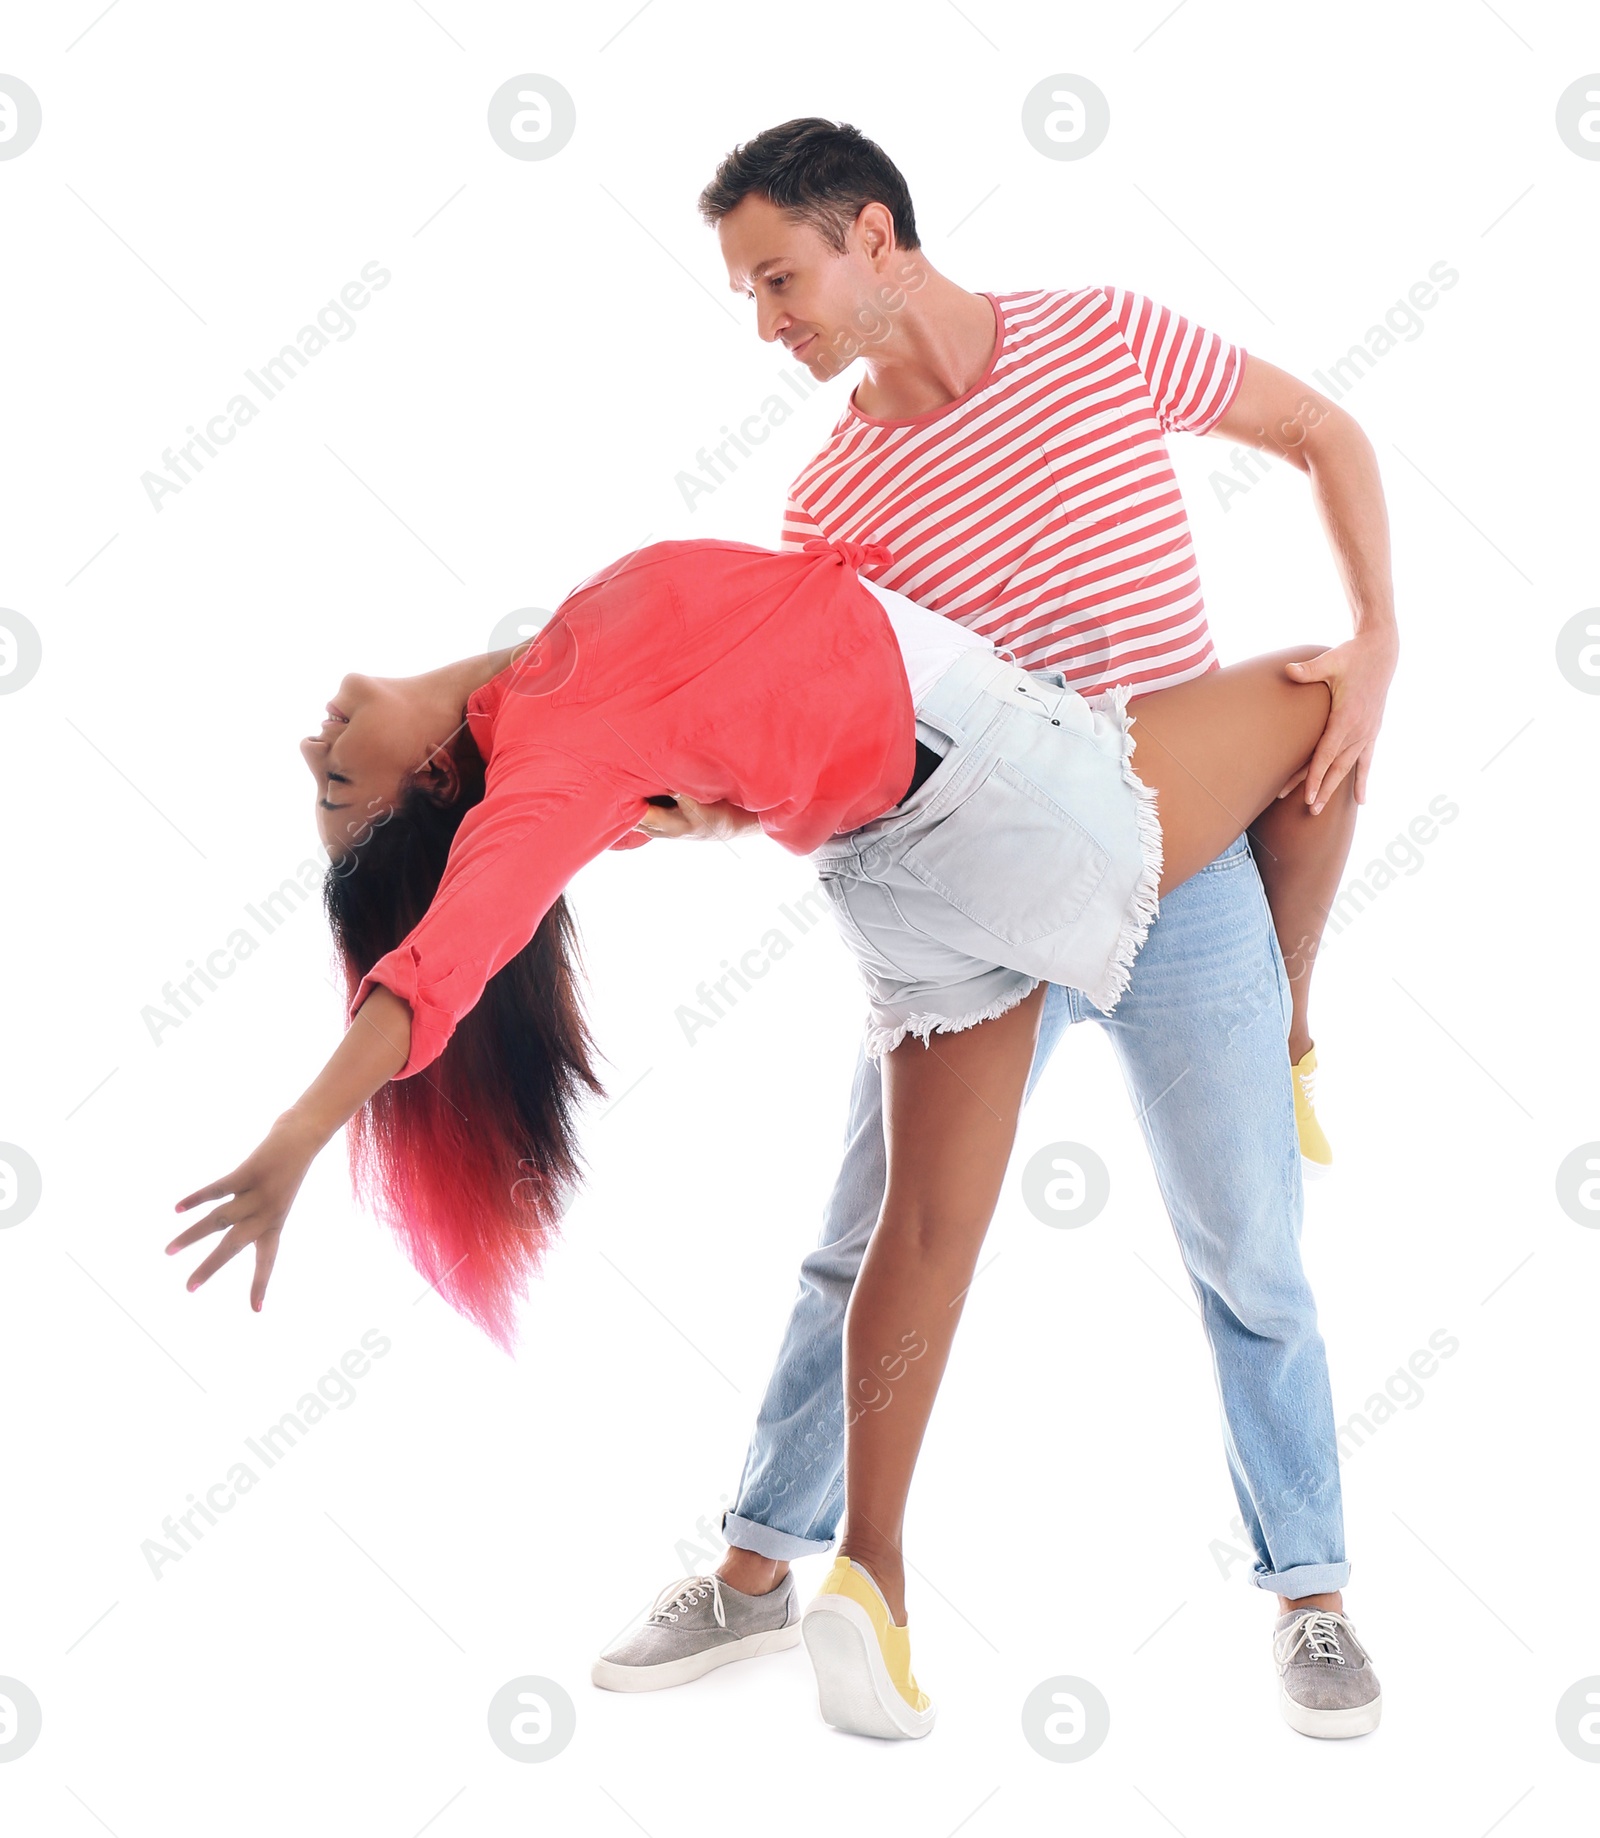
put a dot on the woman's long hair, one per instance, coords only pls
(471, 1161)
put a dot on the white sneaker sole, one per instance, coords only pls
(854, 1690)
(1356, 1720)
(1314, 1171)
(609, 1676)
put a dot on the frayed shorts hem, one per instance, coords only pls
(884, 1036)
(1031, 854)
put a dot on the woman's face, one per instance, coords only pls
(380, 733)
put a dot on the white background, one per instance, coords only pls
(556, 342)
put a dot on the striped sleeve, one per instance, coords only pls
(798, 527)
(1192, 374)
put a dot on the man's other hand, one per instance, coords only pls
(699, 822)
(1357, 673)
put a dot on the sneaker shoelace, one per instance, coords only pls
(677, 1597)
(1308, 1084)
(1318, 1632)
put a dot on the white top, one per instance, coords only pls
(929, 642)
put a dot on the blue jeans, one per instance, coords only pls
(1200, 1034)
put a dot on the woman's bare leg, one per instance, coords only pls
(1216, 750)
(1301, 859)
(950, 1117)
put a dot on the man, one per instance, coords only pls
(1009, 451)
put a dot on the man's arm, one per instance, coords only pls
(1283, 416)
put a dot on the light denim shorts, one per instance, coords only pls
(1031, 854)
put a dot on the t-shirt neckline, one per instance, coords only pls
(932, 414)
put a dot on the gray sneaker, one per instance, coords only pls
(696, 1625)
(1327, 1686)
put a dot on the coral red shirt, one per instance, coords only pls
(772, 680)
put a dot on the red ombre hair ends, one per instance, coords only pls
(471, 1161)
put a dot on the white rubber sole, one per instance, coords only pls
(1357, 1720)
(1314, 1171)
(854, 1690)
(609, 1676)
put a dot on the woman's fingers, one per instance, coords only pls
(262, 1233)
(202, 1228)
(266, 1257)
(216, 1190)
(237, 1238)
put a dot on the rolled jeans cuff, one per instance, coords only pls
(752, 1535)
(1303, 1580)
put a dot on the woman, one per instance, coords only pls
(979, 829)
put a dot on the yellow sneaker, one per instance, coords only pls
(1316, 1156)
(862, 1659)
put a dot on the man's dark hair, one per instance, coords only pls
(821, 172)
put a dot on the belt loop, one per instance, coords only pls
(945, 705)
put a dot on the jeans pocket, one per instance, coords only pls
(842, 891)
(1235, 855)
(1009, 857)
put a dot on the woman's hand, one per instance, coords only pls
(375, 1049)
(262, 1190)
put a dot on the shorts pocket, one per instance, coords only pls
(1009, 858)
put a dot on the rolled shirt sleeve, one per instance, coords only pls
(544, 814)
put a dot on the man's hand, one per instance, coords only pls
(261, 1189)
(1358, 674)
(1280, 415)
(700, 822)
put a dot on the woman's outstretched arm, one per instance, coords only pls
(258, 1193)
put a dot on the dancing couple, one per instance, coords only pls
(975, 686)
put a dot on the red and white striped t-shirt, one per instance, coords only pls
(1040, 508)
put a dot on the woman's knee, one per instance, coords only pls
(929, 1228)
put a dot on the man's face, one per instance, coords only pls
(809, 297)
